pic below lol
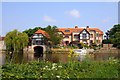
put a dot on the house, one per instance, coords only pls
(39, 36)
(83, 35)
(39, 42)
(2, 44)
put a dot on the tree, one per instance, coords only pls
(107, 38)
(114, 35)
(55, 38)
(30, 31)
(15, 40)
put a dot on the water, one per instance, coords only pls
(52, 57)
(27, 57)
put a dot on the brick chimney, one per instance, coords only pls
(87, 27)
(76, 26)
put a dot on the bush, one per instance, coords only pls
(85, 69)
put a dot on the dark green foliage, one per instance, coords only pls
(114, 35)
(107, 41)
(55, 38)
(85, 69)
(30, 31)
(16, 40)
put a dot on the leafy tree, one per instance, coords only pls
(55, 38)
(115, 35)
(16, 40)
(30, 31)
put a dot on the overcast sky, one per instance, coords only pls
(25, 15)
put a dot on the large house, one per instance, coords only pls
(83, 35)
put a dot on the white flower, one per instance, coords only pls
(58, 76)
(54, 64)
(60, 66)
(53, 67)
(46, 66)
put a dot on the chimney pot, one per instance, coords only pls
(76, 26)
(87, 27)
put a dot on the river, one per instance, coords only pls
(52, 57)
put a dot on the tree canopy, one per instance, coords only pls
(114, 35)
(16, 40)
(55, 38)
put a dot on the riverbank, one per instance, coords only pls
(45, 69)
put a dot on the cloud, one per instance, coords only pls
(106, 20)
(75, 13)
(48, 19)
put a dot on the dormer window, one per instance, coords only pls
(67, 30)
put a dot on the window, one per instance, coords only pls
(91, 35)
(84, 36)
(76, 36)
(66, 36)
(91, 41)
(67, 30)
(97, 35)
(35, 34)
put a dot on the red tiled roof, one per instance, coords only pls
(96, 29)
(42, 32)
(71, 30)
(78, 30)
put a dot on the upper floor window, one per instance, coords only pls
(97, 35)
(76, 36)
(66, 36)
(91, 35)
(67, 30)
(35, 34)
(84, 36)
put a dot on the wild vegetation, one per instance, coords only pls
(72, 69)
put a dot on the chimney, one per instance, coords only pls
(76, 26)
(87, 27)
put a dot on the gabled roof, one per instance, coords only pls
(85, 30)
(78, 30)
(42, 32)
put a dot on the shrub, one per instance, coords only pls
(72, 69)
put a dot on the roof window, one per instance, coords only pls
(67, 30)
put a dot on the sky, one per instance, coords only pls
(25, 15)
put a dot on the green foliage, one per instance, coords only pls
(16, 40)
(55, 38)
(106, 41)
(85, 69)
(115, 35)
(30, 31)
